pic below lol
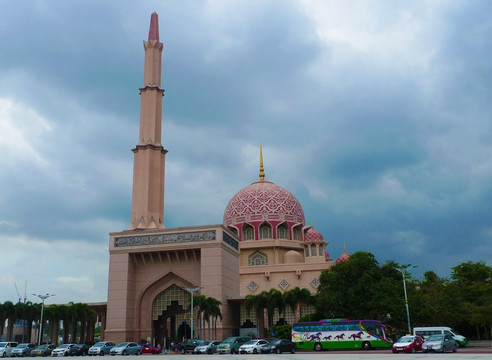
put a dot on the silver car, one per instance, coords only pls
(208, 347)
(101, 348)
(6, 348)
(439, 343)
(23, 349)
(126, 348)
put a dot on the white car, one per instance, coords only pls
(62, 350)
(252, 346)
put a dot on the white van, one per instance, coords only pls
(425, 332)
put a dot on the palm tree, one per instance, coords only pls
(295, 298)
(9, 309)
(3, 317)
(199, 303)
(54, 314)
(67, 315)
(274, 300)
(32, 312)
(81, 315)
(213, 312)
(258, 304)
(91, 323)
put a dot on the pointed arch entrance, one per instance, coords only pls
(169, 313)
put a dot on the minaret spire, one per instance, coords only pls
(149, 155)
(154, 27)
(262, 172)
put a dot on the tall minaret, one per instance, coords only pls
(149, 158)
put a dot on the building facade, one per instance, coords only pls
(263, 243)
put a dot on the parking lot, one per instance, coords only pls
(477, 351)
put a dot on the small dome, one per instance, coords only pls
(263, 200)
(293, 257)
(327, 255)
(344, 257)
(313, 236)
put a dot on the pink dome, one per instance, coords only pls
(327, 255)
(313, 235)
(344, 257)
(263, 200)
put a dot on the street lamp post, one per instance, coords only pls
(43, 298)
(405, 267)
(192, 291)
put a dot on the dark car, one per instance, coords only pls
(43, 350)
(79, 350)
(189, 345)
(279, 346)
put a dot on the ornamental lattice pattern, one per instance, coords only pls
(263, 200)
(313, 235)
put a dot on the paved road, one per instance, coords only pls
(468, 353)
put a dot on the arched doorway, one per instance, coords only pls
(170, 311)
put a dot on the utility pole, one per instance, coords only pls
(192, 291)
(43, 298)
(403, 271)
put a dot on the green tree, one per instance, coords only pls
(472, 282)
(296, 297)
(347, 289)
(9, 309)
(258, 304)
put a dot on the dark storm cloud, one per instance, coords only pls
(377, 120)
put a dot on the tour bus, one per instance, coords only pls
(425, 332)
(341, 334)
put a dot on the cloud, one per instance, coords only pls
(375, 115)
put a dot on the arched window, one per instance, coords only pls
(257, 258)
(265, 231)
(306, 251)
(313, 250)
(296, 233)
(282, 232)
(248, 232)
(233, 229)
(321, 250)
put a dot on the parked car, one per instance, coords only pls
(189, 345)
(231, 344)
(79, 350)
(279, 346)
(427, 331)
(43, 350)
(409, 344)
(6, 348)
(440, 343)
(252, 346)
(101, 348)
(126, 348)
(148, 349)
(23, 349)
(208, 347)
(62, 350)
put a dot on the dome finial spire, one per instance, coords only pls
(344, 248)
(262, 172)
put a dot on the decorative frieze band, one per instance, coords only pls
(164, 238)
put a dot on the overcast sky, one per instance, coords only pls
(376, 115)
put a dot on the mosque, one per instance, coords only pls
(263, 243)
